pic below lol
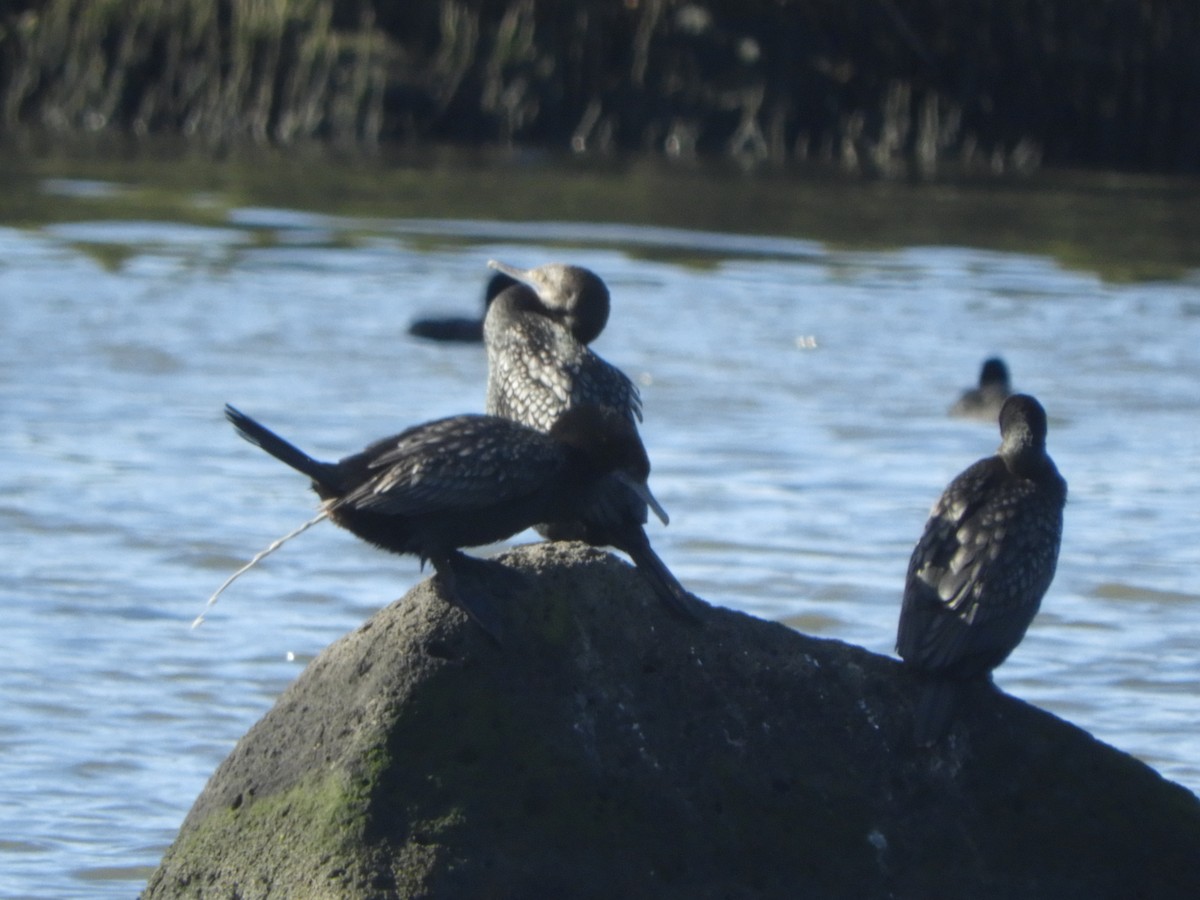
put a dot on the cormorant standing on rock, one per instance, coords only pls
(978, 574)
(537, 334)
(539, 365)
(984, 402)
(460, 329)
(464, 481)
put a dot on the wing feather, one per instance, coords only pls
(973, 583)
(462, 463)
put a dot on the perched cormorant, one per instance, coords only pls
(537, 334)
(984, 402)
(461, 329)
(977, 576)
(464, 481)
(539, 365)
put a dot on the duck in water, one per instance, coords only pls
(540, 366)
(460, 329)
(463, 481)
(984, 402)
(978, 574)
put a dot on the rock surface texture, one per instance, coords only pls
(609, 750)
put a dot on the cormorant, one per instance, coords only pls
(539, 365)
(984, 402)
(537, 334)
(460, 329)
(464, 481)
(977, 576)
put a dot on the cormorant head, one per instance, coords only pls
(994, 373)
(1022, 430)
(572, 295)
(609, 444)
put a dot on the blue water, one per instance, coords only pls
(795, 400)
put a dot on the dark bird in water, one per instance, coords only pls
(461, 329)
(539, 366)
(463, 481)
(984, 402)
(978, 574)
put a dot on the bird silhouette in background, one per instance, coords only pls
(985, 401)
(460, 329)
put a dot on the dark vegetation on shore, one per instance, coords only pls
(875, 86)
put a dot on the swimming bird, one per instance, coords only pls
(460, 329)
(984, 402)
(978, 574)
(539, 365)
(463, 481)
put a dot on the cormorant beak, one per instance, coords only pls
(522, 275)
(643, 490)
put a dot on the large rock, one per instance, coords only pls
(610, 750)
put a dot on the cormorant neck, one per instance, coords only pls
(587, 318)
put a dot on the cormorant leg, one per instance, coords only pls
(464, 588)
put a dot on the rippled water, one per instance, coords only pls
(795, 399)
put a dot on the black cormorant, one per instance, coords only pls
(977, 576)
(984, 402)
(464, 481)
(539, 365)
(460, 329)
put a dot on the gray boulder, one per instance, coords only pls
(608, 750)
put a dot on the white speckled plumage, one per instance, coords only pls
(463, 481)
(538, 361)
(539, 365)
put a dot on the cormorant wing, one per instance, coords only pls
(941, 590)
(599, 383)
(971, 591)
(463, 463)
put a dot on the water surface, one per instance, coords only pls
(795, 383)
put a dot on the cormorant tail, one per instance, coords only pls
(677, 598)
(320, 472)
